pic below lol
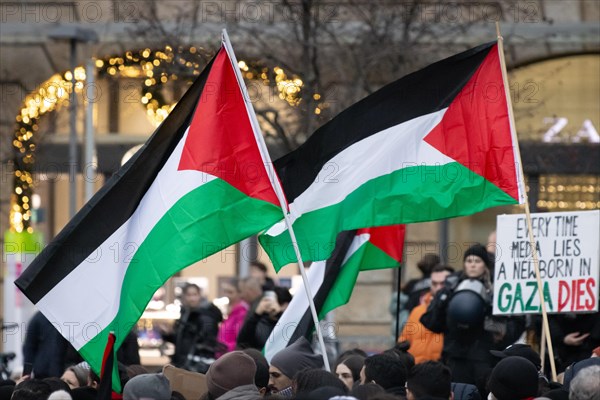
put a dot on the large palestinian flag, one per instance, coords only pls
(435, 144)
(197, 186)
(331, 282)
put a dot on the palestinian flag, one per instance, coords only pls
(332, 281)
(435, 144)
(197, 186)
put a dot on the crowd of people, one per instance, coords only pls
(450, 347)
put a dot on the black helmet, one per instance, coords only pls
(467, 307)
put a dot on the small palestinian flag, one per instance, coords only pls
(331, 282)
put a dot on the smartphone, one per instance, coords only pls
(269, 294)
(27, 368)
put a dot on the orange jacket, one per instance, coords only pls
(424, 344)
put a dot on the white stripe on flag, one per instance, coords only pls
(285, 327)
(400, 146)
(87, 300)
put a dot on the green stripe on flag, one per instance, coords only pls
(191, 230)
(408, 195)
(367, 257)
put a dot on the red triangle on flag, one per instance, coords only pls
(221, 141)
(475, 130)
(389, 239)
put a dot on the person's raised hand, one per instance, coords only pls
(575, 338)
(264, 306)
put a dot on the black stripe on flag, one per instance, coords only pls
(422, 92)
(333, 266)
(113, 204)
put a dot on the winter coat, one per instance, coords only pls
(424, 344)
(230, 328)
(255, 331)
(196, 326)
(246, 392)
(563, 324)
(44, 347)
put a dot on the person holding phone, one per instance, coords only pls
(260, 323)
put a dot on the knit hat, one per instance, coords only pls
(521, 350)
(261, 377)
(230, 371)
(479, 251)
(84, 393)
(153, 386)
(296, 357)
(514, 378)
(81, 373)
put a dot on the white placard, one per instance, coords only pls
(568, 247)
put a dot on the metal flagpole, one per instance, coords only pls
(398, 285)
(397, 316)
(90, 146)
(536, 263)
(278, 191)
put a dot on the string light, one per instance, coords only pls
(562, 192)
(48, 97)
(289, 89)
(155, 69)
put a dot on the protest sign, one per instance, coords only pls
(568, 248)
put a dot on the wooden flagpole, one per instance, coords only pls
(536, 263)
(279, 192)
(543, 351)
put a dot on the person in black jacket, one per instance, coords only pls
(44, 347)
(462, 310)
(574, 336)
(195, 333)
(260, 323)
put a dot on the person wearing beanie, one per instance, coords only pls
(261, 377)
(76, 376)
(525, 351)
(514, 378)
(147, 386)
(287, 362)
(520, 350)
(84, 393)
(232, 377)
(462, 311)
